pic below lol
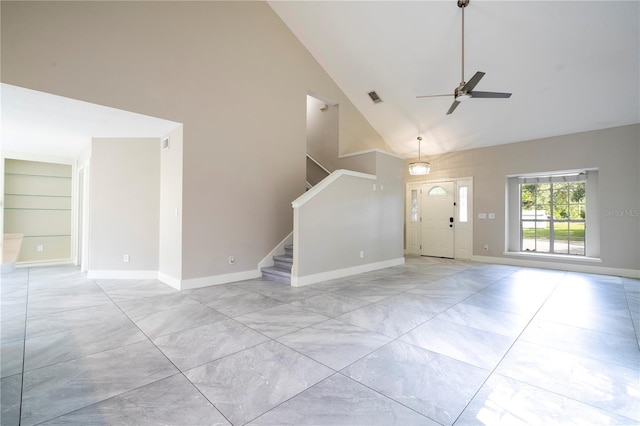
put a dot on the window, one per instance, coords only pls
(553, 214)
(437, 191)
(414, 205)
(462, 202)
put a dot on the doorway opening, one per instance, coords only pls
(322, 138)
(38, 206)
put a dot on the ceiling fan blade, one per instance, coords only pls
(472, 83)
(434, 96)
(454, 105)
(475, 94)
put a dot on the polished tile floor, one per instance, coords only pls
(430, 342)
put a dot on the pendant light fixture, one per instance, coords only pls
(419, 167)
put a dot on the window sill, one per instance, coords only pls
(553, 256)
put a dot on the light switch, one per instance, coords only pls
(492, 215)
(482, 215)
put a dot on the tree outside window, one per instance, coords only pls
(553, 218)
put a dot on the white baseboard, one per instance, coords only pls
(169, 280)
(572, 267)
(219, 279)
(122, 275)
(345, 272)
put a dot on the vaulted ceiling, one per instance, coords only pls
(572, 66)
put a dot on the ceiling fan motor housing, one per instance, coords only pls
(460, 94)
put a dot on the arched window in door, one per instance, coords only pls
(437, 191)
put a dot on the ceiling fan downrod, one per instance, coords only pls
(466, 90)
(462, 4)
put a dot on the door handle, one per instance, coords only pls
(451, 222)
(451, 219)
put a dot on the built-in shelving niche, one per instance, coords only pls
(38, 205)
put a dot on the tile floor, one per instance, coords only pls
(430, 342)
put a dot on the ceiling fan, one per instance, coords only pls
(465, 90)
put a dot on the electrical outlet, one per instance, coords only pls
(486, 246)
(361, 254)
(40, 247)
(232, 260)
(125, 258)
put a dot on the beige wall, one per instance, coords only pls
(390, 174)
(231, 72)
(614, 152)
(124, 207)
(322, 132)
(335, 222)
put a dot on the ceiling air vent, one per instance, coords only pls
(374, 97)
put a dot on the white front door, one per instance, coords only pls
(438, 213)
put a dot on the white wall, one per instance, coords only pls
(124, 206)
(170, 231)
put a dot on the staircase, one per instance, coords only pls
(281, 269)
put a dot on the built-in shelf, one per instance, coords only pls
(38, 195)
(46, 236)
(38, 204)
(32, 175)
(28, 208)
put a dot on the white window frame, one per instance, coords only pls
(513, 230)
(551, 181)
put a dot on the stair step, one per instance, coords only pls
(288, 249)
(284, 258)
(282, 266)
(274, 273)
(284, 262)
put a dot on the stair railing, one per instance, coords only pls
(316, 172)
(318, 163)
